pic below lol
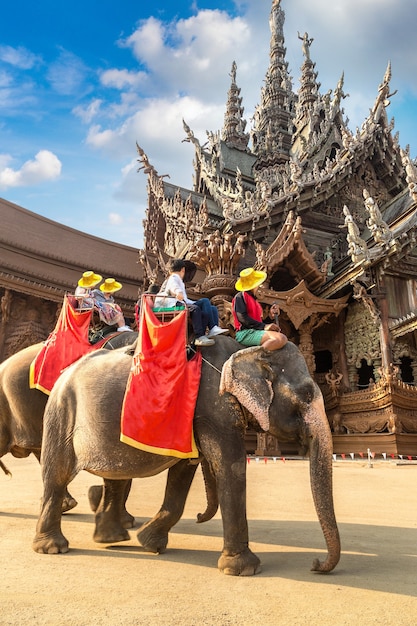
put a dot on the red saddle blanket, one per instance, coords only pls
(161, 393)
(66, 344)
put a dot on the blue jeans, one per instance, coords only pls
(209, 310)
(198, 319)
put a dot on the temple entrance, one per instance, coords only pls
(324, 361)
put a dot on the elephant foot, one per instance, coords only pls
(127, 520)
(110, 534)
(68, 503)
(151, 540)
(50, 544)
(245, 563)
(95, 494)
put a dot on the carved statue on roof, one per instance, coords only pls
(261, 257)
(360, 294)
(339, 94)
(190, 135)
(327, 265)
(379, 229)
(382, 99)
(306, 44)
(276, 19)
(410, 172)
(357, 248)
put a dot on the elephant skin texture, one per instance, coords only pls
(82, 432)
(22, 408)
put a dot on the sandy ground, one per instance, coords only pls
(374, 583)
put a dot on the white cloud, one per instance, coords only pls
(19, 57)
(115, 219)
(45, 166)
(67, 74)
(88, 113)
(122, 78)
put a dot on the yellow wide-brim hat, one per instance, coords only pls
(249, 279)
(89, 279)
(110, 285)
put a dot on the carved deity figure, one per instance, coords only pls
(360, 294)
(306, 44)
(357, 248)
(379, 229)
(333, 380)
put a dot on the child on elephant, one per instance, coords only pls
(87, 282)
(110, 312)
(247, 314)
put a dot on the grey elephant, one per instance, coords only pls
(22, 408)
(272, 390)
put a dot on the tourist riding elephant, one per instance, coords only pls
(272, 390)
(22, 408)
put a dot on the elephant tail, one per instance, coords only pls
(5, 470)
(211, 494)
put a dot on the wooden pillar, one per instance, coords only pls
(306, 346)
(385, 339)
(267, 445)
(5, 307)
(343, 364)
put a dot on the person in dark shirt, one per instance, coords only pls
(247, 314)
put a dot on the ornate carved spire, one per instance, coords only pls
(272, 121)
(308, 93)
(234, 124)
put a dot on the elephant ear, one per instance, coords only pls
(245, 376)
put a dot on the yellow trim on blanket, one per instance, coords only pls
(193, 454)
(32, 383)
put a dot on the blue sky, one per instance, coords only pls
(81, 82)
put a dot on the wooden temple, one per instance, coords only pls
(329, 214)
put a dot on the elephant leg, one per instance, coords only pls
(227, 458)
(68, 502)
(153, 535)
(49, 538)
(109, 526)
(321, 448)
(95, 494)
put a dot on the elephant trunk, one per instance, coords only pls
(321, 450)
(211, 493)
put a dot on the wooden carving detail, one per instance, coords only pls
(361, 335)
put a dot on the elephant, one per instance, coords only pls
(238, 387)
(22, 408)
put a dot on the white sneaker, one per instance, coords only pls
(216, 330)
(122, 329)
(204, 341)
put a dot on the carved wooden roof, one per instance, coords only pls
(43, 258)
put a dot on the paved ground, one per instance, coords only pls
(375, 582)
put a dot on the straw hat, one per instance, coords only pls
(89, 279)
(110, 285)
(249, 279)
